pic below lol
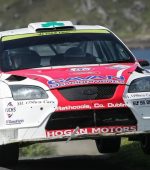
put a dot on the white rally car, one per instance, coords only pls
(61, 81)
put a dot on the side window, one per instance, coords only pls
(63, 47)
(110, 49)
(122, 53)
(91, 49)
(43, 50)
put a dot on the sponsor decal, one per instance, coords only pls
(10, 104)
(85, 80)
(20, 103)
(13, 122)
(13, 37)
(98, 105)
(141, 102)
(90, 131)
(77, 107)
(116, 105)
(86, 106)
(10, 109)
(138, 95)
(120, 67)
(80, 69)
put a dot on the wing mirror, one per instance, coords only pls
(143, 62)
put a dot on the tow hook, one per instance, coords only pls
(73, 134)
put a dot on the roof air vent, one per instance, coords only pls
(51, 26)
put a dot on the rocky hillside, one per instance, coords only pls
(129, 19)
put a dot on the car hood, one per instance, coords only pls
(58, 77)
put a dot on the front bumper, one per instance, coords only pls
(139, 103)
(129, 117)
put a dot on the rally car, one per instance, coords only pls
(62, 82)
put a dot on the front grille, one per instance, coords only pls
(90, 118)
(90, 92)
(114, 117)
(70, 120)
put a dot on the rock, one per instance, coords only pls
(30, 2)
(87, 5)
(138, 6)
(130, 15)
(1, 24)
(16, 16)
(102, 12)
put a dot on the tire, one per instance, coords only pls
(108, 145)
(145, 144)
(9, 155)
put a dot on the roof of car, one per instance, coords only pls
(31, 29)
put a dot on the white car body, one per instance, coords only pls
(24, 120)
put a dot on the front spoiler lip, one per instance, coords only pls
(82, 137)
(98, 135)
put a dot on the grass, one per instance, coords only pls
(37, 150)
(131, 156)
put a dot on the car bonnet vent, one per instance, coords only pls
(15, 78)
(51, 26)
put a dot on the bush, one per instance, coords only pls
(38, 149)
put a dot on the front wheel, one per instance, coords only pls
(108, 145)
(145, 144)
(9, 155)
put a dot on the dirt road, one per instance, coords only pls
(82, 147)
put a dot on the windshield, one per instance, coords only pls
(63, 49)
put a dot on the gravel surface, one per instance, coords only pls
(75, 155)
(86, 147)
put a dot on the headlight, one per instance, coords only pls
(140, 85)
(27, 92)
